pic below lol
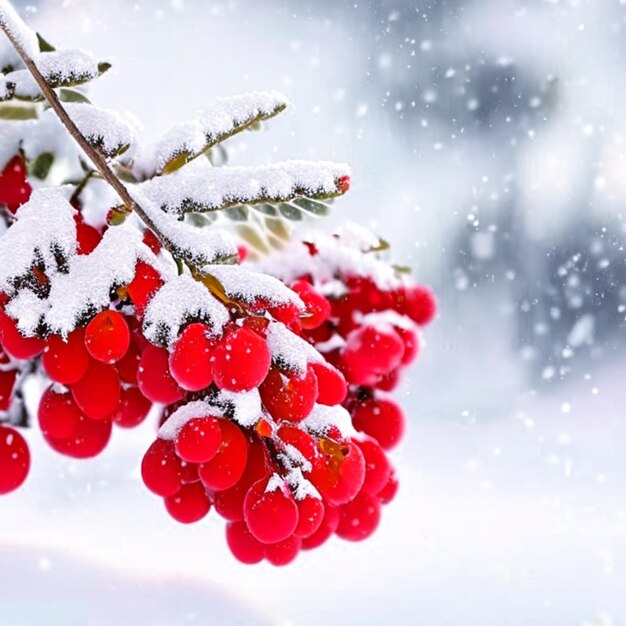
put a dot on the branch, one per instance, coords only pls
(96, 158)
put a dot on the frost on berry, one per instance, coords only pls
(270, 377)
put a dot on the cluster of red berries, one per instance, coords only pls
(268, 440)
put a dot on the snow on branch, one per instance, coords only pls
(43, 235)
(60, 68)
(242, 285)
(178, 302)
(186, 141)
(107, 131)
(86, 287)
(290, 351)
(196, 246)
(24, 36)
(202, 188)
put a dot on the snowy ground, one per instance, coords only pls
(512, 509)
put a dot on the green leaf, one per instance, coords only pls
(44, 46)
(201, 220)
(176, 162)
(17, 112)
(278, 228)
(237, 213)
(290, 212)
(104, 66)
(383, 245)
(266, 209)
(251, 235)
(42, 164)
(314, 207)
(72, 95)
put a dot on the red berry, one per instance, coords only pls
(289, 396)
(317, 306)
(389, 381)
(410, 340)
(188, 505)
(310, 516)
(58, 414)
(161, 469)
(339, 472)
(242, 544)
(98, 391)
(304, 443)
(154, 377)
(377, 467)
(199, 440)
(107, 336)
(283, 552)
(146, 282)
(14, 188)
(359, 518)
(128, 365)
(189, 361)
(14, 343)
(325, 531)
(271, 516)
(7, 384)
(240, 361)
(419, 304)
(66, 360)
(343, 183)
(87, 238)
(389, 491)
(370, 352)
(14, 459)
(227, 466)
(381, 419)
(331, 384)
(152, 241)
(229, 503)
(132, 409)
(87, 440)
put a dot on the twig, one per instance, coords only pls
(96, 158)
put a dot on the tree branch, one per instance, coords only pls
(96, 158)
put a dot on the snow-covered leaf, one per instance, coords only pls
(200, 187)
(186, 141)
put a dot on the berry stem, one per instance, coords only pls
(96, 158)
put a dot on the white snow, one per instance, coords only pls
(322, 418)
(289, 350)
(44, 228)
(335, 256)
(240, 284)
(197, 246)
(246, 406)
(182, 415)
(24, 36)
(180, 300)
(106, 130)
(200, 187)
(86, 287)
(227, 116)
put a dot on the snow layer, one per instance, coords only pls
(226, 117)
(24, 36)
(289, 350)
(179, 301)
(200, 187)
(44, 231)
(242, 285)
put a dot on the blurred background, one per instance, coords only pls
(487, 140)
